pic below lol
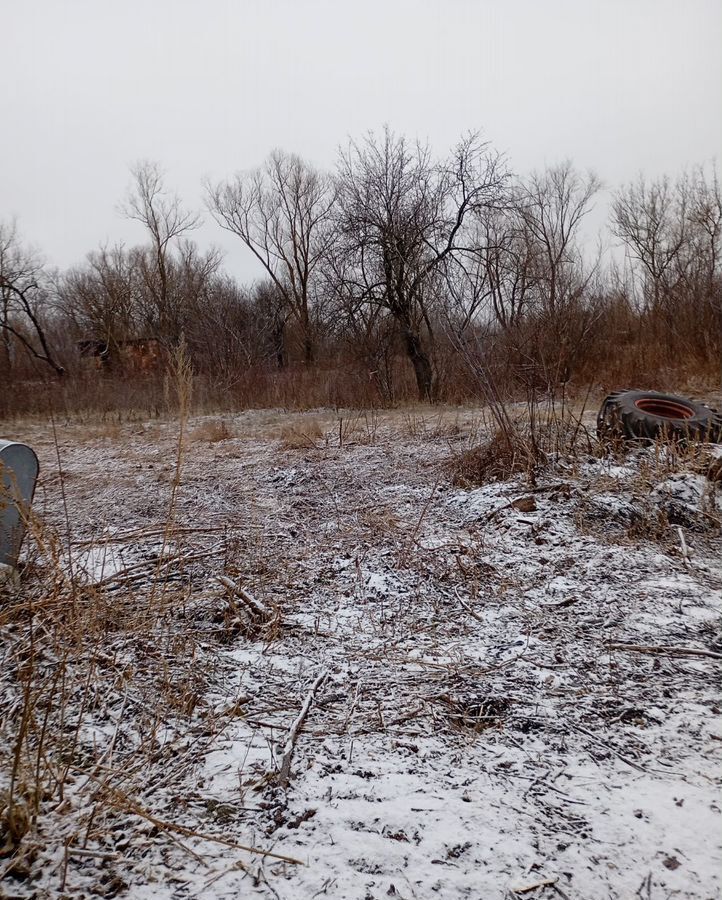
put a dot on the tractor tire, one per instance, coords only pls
(650, 416)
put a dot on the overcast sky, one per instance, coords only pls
(208, 87)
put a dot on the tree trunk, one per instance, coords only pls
(421, 363)
(279, 343)
(6, 338)
(309, 355)
(308, 349)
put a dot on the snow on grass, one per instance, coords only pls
(484, 727)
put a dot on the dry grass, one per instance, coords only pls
(434, 424)
(212, 431)
(81, 651)
(523, 439)
(306, 435)
(108, 706)
(656, 512)
(493, 459)
(103, 681)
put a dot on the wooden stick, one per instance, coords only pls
(254, 606)
(569, 601)
(425, 509)
(524, 889)
(685, 550)
(91, 854)
(599, 742)
(190, 832)
(135, 571)
(284, 773)
(666, 651)
(103, 539)
(468, 608)
(407, 716)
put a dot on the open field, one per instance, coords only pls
(495, 691)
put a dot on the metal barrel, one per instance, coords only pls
(18, 473)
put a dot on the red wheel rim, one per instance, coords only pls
(665, 409)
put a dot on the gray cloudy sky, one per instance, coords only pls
(207, 88)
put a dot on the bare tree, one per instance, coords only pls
(649, 220)
(281, 212)
(704, 283)
(673, 231)
(272, 314)
(190, 273)
(166, 221)
(706, 218)
(101, 297)
(510, 264)
(551, 206)
(24, 298)
(222, 333)
(401, 216)
(558, 300)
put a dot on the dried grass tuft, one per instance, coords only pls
(492, 460)
(212, 431)
(304, 436)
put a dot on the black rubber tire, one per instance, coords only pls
(650, 415)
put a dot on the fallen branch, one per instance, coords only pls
(569, 601)
(683, 544)
(121, 801)
(468, 608)
(408, 716)
(284, 773)
(137, 570)
(607, 746)
(253, 606)
(141, 535)
(425, 509)
(526, 888)
(666, 651)
(91, 854)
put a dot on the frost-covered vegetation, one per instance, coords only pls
(322, 655)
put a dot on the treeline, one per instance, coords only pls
(398, 275)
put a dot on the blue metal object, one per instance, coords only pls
(18, 473)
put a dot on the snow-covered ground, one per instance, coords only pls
(512, 702)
